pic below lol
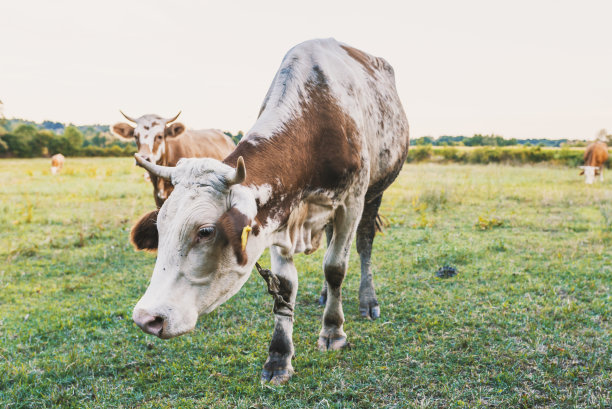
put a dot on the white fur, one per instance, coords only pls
(262, 193)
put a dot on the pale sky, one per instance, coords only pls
(524, 69)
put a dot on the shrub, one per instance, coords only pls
(420, 153)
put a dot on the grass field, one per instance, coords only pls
(524, 323)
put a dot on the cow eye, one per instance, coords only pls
(206, 232)
(159, 136)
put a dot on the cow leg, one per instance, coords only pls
(368, 304)
(335, 264)
(329, 232)
(601, 173)
(278, 368)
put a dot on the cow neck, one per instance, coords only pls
(308, 155)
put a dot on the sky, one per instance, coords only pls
(522, 69)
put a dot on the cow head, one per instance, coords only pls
(205, 247)
(150, 134)
(589, 173)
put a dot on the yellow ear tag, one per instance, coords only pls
(245, 236)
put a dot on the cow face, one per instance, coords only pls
(150, 134)
(204, 249)
(589, 173)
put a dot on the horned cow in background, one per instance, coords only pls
(595, 157)
(165, 142)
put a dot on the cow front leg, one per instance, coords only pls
(278, 368)
(329, 232)
(335, 263)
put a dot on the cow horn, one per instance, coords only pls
(240, 174)
(127, 117)
(164, 172)
(173, 119)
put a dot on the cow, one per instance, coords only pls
(595, 156)
(165, 143)
(57, 163)
(330, 137)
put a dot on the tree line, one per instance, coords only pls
(27, 139)
(496, 140)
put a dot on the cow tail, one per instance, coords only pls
(381, 222)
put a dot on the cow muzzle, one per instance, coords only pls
(151, 324)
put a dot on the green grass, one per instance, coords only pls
(525, 323)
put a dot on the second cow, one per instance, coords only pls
(163, 142)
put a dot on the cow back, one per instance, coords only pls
(205, 143)
(596, 154)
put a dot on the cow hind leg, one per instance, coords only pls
(368, 304)
(278, 368)
(335, 264)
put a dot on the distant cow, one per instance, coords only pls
(595, 157)
(164, 143)
(57, 162)
(330, 138)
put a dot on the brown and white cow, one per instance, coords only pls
(57, 163)
(165, 143)
(595, 157)
(331, 136)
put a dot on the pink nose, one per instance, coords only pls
(151, 324)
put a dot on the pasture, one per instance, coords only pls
(524, 323)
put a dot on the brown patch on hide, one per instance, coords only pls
(316, 151)
(230, 226)
(596, 154)
(157, 141)
(144, 235)
(361, 57)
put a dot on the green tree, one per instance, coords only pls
(75, 138)
(39, 144)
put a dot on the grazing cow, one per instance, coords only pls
(595, 157)
(165, 143)
(57, 163)
(331, 136)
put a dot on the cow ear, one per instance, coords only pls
(231, 226)
(123, 130)
(174, 130)
(144, 234)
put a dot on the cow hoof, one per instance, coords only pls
(332, 344)
(322, 300)
(276, 376)
(370, 312)
(277, 369)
